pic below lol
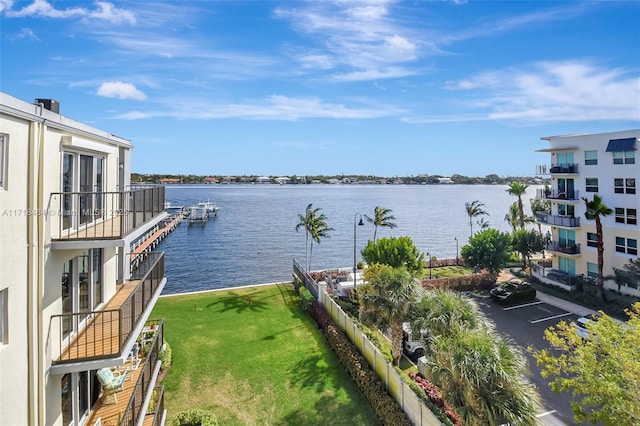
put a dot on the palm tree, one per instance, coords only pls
(511, 217)
(385, 301)
(518, 189)
(314, 224)
(381, 217)
(474, 209)
(596, 209)
(540, 206)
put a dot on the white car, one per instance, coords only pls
(581, 326)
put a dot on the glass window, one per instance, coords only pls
(624, 157)
(567, 265)
(618, 185)
(592, 239)
(591, 184)
(632, 246)
(592, 270)
(626, 245)
(4, 159)
(591, 158)
(632, 216)
(619, 215)
(630, 186)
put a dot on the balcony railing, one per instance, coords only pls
(562, 247)
(103, 334)
(558, 220)
(554, 194)
(133, 412)
(103, 215)
(565, 168)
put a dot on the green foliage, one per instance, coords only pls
(395, 252)
(166, 356)
(315, 226)
(474, 209)
(195, 417)
(468, 282)
(381, 217)
(489, 249)
(602, 372)
(306, 298)
(527, 242)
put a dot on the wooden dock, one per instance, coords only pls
(154, 239)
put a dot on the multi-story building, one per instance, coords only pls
(582, 166)
(75, 299)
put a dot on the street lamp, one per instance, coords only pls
(429, 256)
(456, 238)
(354, 245)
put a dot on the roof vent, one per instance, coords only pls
(50, 104)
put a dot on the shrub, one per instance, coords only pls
(481, 281)
(434, 395)
(166, 356)
(194, 417)
(306, 298)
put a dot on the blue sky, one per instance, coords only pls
(329, 87)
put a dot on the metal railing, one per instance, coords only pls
(300, 273)
(103, 215)
(572, 195)
(558, 220)
(564, 168)
(134, 411)
(103, 334)
(562, 247)
(158, 408)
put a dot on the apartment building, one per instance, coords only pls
(74, 299)
(581, 166)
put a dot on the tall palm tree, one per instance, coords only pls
(511, 217)
(596, 209)
(474, 209)
(381, 217)
(314, 224)
(518, 189)
(385, 301)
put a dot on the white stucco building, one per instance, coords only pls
(581, 166)
(74, 299)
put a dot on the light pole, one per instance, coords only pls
(456, 238)
(429, 256)
(354, 245)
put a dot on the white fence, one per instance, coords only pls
(415, 409)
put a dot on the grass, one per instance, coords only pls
(447, 271)
(254, 357)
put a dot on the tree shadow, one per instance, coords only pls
(239, 302)
(329, 411)
(311, 373)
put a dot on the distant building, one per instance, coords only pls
(580, 166)
(283, 180)
(165, 181)
(263, 179)
(444, 180)
(210, 179)
(349, 180)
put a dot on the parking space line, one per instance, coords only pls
(546, 413)
(522, 306)
(550, 318)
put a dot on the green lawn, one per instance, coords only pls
(447, 271)
(253, 356)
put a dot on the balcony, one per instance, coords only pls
(554, 277)
(572, 195)
(563, 247)
(141, 399)
(104, 334)
(558, 220)
(103, 215)
(564, 168)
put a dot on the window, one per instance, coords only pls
(626, 216)
(566, 210)
(624, 186)
(4, 159)
(626, 245)
(591, 185)
(4, 316)
(590, 158)
(567, 265)
(592, 239)
(84, 175)
(624, 157)
(592, 270)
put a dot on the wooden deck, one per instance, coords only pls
(101, 336)
(101, 229)
(160, 232)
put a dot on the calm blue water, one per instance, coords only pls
(253, 239)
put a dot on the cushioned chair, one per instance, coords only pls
(111, 382)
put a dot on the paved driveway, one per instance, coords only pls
(525, 325)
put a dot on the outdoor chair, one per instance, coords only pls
(111, 382)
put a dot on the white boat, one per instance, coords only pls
(209, 206)
(198, 215)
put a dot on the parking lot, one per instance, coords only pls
(525, 323)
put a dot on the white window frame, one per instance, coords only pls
(591, 158)
(4, 316)
(591, 187)
(592, 270)
(4, 160)
(627, 245)
(624, 157)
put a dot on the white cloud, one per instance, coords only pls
(24, 33)
(105, 11)
(120, 90)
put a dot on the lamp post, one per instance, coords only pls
(456, 238)
(429, 256)
(354, 245)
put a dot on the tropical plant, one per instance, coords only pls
(518, 189)
(483, 224)
(315, 226)
(511, 217)
(488, 250)
(474, 209)
(629, 275)
(381, 217)
(526, 242)
(602, 372)
(395, 252)
(540, 206)
(483, 376)
(385, 301)
(596, 209)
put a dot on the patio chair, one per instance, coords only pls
(111, 382)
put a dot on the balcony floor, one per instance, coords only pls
(103, 229)
(97, 338)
